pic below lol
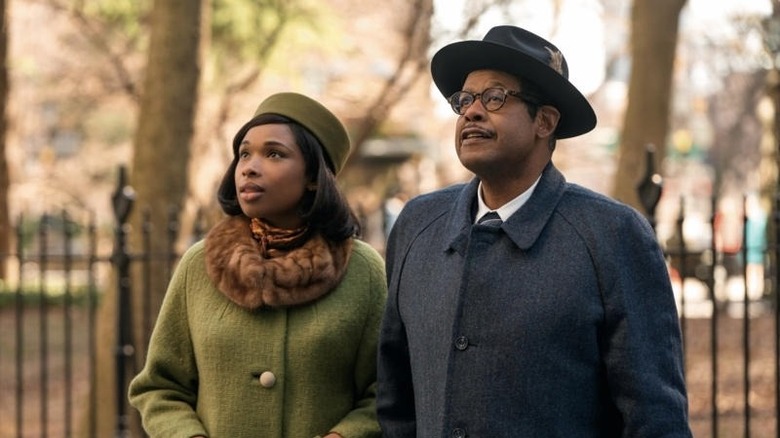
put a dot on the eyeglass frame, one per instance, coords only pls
(528, 99)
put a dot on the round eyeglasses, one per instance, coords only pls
(492, 99)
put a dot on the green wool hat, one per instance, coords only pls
(314, 117)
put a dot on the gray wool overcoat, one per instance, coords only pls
(562, 323)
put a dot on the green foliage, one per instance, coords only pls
(243, 32)
(80, 296)
(122, 17)
(240, 26)
(110, 127)
(30, 227)
(249, 31)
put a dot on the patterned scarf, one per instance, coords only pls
(273, 239)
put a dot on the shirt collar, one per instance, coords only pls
(508, 209)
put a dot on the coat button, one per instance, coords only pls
(458, 433)
(267, 379)
(462, 343)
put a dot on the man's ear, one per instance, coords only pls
(547, 119)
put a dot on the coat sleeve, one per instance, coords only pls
(641, 341)
(361, 422)
(165, 391)
(395, 397)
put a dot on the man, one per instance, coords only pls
(557, 319)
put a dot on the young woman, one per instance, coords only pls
(269, 326)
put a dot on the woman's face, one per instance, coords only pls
(271, 175)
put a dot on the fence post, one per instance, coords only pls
(122, 201)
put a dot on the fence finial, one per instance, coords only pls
(651, 185)
(123, 197)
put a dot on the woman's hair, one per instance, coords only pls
(324, 209)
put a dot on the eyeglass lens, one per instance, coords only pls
(492, 99)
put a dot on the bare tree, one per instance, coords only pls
(211, 134)
(654, 28)
(735, 153)
(409, 67)
(412, 63)
(159, 170)
(417, 34)
(772, 43)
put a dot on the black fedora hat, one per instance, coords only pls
(526, 55)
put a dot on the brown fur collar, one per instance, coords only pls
(238, 269)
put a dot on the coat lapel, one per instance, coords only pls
(523, 228)
(526, 225)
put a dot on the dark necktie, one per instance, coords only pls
(491, 219)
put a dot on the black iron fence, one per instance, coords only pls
(61, 269)
(727, 298)
(56, 278)
(48, 325)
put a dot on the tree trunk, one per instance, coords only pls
(159, 177)
(5, 180)
(654, 25)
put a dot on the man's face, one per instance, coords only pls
(497, 143)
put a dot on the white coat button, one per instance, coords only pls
(267, 379)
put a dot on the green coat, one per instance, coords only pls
(318, 361)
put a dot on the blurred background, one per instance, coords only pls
(76, 81)
(118, 118)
